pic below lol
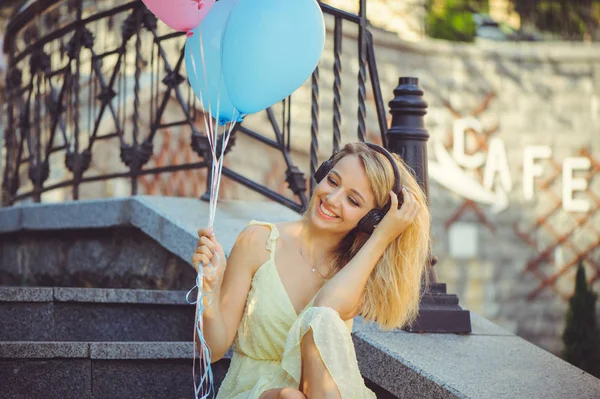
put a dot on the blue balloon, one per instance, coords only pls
(205, 75)
(270, 48)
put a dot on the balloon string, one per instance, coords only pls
(225, 141)
(206, 379)
(201, 98)
(212, 133)
(205, 353)
(212, 130)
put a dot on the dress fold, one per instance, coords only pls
(333, 339)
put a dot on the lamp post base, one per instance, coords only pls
(439, 313)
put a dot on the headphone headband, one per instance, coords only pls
(386, 153)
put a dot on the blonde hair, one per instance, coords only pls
(393, 290)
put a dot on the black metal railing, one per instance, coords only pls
(79, 73)
(73, 64)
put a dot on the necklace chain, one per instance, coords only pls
(313, 266)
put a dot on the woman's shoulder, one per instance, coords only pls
(257, 227)
(255, 233)
(260, 234)
(252, 245)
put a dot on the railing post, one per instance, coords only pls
(10, 177)
(362, 71)
(438, 312)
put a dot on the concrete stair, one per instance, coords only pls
(94, 315)
(128, 341)
(96, 343)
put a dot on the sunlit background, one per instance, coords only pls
(513, 88)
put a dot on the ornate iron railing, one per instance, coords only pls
(77, 76)
(62, 54)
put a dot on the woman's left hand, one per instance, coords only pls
(397, 220)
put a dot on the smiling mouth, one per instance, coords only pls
(325, 212)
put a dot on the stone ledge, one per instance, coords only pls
(396, 377)
(92, 295)
(96, 350)
(510, 366)
(141, 350)
(44, 350)
(172, 222)
(25, 294)
(99, 350)
(481, 326)
(11, 219)
(75, 214)
(124, 296)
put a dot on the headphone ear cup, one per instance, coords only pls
(368, 223)
(322, 171)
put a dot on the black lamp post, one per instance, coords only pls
(438, 311)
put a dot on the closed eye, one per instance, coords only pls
(353, 201)
(331, 181)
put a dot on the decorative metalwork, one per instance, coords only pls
(579, 240)
(314, 127)
(362, 71)
(378, 98)
(87, 80)
(337, 83)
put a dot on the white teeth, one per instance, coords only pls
(326, 212)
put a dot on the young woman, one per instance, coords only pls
(286, 296)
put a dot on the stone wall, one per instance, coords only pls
(103, 258)
(514, 96)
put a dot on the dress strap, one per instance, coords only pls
(273, 236)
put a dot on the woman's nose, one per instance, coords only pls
(334, 198)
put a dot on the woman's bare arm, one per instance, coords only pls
(222, 318)
(343, 292)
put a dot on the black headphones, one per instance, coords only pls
(368, 223)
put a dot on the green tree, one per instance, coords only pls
(568, 19)
(453, 19)
(581, 336)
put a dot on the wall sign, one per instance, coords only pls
(453, 170)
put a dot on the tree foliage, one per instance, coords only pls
(560, 19)
(453, 19)
(568, 19)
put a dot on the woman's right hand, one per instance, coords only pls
(210, 254)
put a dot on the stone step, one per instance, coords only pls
(100, 370)
(94, 314)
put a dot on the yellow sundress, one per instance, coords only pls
(266, 348)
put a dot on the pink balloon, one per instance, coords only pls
(181, 15)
